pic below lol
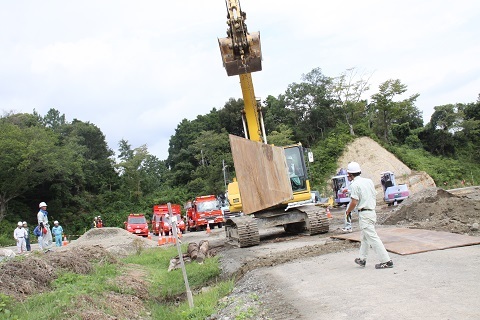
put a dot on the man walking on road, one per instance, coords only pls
(363, 196)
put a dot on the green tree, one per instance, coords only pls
(282, 137)
(388, 111)
(210, 150)
(311, 106)
(347, 90)
(29, 157)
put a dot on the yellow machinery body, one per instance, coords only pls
(242, 55)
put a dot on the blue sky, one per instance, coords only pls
(137, 68)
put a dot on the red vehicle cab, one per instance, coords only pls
(162, 222)
(202, 211)
(137, 224)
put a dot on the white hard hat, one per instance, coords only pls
(42, 204)
(24, 222)
(353, 167)
(19, 223)
(55, 222)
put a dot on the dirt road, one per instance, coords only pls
(314, 277)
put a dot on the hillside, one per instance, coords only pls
(374, 159)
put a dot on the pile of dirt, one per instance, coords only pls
(374, 159)
(117, 241)
(437, 209)
(20, 278)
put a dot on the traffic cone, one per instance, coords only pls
(329, 215)
(149, 236)
(179, 233)
(170, 238)
(161, 240)
(65, 241)
(208, 228)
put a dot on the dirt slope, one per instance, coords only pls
(374, 159)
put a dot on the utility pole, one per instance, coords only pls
(180, 255)
(224, 167)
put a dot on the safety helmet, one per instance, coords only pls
(55, 222)
(24, 222)
(353, 167)
(19, 223)
(42, 204)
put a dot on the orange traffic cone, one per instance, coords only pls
(208, 228)
(161, 240)
(149, 237)
(329, 215)
(179, 233)
(170, 238)
(65, 241)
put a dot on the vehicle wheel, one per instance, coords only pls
(167, 233)
(212, 226)
(220, 225)
(183, 231)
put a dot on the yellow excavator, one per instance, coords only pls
(241, 55)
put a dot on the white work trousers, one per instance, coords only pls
(21, 245)
(369, 237)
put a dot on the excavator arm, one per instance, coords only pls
(241, 55)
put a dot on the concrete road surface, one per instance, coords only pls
(442, 284)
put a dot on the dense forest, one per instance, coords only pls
(70, 166)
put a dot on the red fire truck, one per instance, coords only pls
(203, 210)
(161, 220)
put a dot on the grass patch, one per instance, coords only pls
(138, 285)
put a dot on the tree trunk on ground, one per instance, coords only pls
(192, 250)
(203, 250)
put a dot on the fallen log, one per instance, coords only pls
(195, 252)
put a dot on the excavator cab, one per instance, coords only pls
(241, 51)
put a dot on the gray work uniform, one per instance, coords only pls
(363, 190)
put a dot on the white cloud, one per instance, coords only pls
(135, 69)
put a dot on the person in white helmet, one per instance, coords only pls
(363, 197)
(27, 236)
(19, 236)
(57, 231)
(45, 240)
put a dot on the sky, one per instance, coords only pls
(135, 69)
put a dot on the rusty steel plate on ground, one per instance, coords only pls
(405, 241)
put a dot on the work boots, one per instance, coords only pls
(360, 262)
(384, 265)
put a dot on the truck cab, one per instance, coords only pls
(162, 222)
(137, 224)
(204, 210)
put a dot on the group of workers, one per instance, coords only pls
(42, 231)
(97, 222)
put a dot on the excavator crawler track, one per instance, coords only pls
(242, 232)
(316, 220)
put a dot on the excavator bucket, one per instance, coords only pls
(235, 64)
